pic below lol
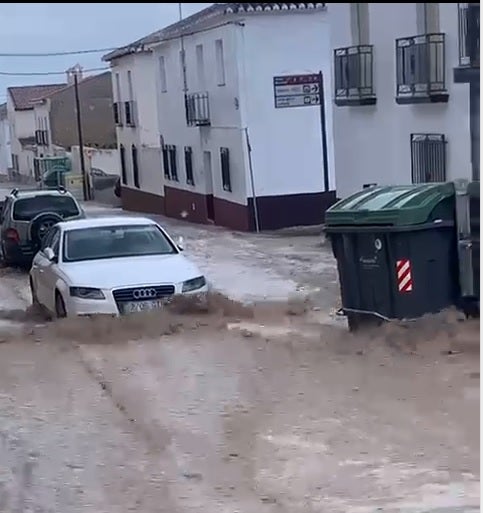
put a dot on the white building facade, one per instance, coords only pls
(232, 153)
(399, 117)
(5, 154)
(23, 125)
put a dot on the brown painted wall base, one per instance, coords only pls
(187, 205)
(274, 212)
(136, 200)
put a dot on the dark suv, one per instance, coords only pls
(27, 215)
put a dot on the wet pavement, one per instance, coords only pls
(276, 409)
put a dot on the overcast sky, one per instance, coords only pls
(37, 28)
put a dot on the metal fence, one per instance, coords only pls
(428, 158)
(353, 67)
(420, 65)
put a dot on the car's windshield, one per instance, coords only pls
(25, 209)
(103, 242)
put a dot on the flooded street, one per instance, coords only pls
(235, 410)
(260, 403)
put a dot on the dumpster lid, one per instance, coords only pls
(399, 205)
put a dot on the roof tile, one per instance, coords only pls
(24, 97)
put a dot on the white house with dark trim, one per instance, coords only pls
(5, 154)
(399, 115)
(236, 93)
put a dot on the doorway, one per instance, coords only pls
(208, 170)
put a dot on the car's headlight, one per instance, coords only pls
(194, 284)
(86, 293)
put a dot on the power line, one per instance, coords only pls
(57, 54)
(45, 73)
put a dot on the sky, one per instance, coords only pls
(47, 27)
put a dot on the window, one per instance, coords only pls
(170, 162)
(27, 208)
(428, 158)
(166, 162)
(135, 166)
(200, 66)
(117, 113)
(129, 113)
(220, 62)
(188, 162)
(225, 168)
(119, 241)
(122, 154)
(163, 83)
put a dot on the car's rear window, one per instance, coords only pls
(27, 208)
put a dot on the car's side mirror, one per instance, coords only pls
(180, 243)
(49, 253)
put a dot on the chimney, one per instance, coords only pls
(72, 72)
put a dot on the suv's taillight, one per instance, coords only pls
(13, 235)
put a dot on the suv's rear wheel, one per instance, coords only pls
(41, 224)
(60, 310)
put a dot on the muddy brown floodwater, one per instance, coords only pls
(233, 408)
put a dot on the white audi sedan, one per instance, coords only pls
(111, 265)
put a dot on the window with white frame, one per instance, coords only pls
(220, 62)
(163, 82)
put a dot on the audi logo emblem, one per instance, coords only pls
(144, 293)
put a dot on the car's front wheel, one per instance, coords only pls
(60, 310)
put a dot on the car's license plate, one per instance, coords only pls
(142, 306)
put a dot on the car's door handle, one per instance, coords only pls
(41, 271)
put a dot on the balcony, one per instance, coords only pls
(469, 43)
(420, 69)
(197, 109)
(41, 137)
(130, 113)
(354, 78)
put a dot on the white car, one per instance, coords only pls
(110, 265)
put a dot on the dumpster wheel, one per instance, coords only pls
(471, 308)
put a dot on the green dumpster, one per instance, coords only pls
(396, 251)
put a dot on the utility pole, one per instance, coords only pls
(323, 125)
(85, 185)
(183, 60)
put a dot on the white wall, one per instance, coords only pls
(372, 143)
(42, 122)
(105, 160)
(226, 126)
(5, 155)
(145, 134)
(286, 143)
(22, 124)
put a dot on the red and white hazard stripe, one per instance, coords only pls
(404, 277)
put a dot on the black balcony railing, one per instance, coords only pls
(116, 107)
(469, 34)
(130, 113)
(197, 109)
(354, 77)
(420, 69)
